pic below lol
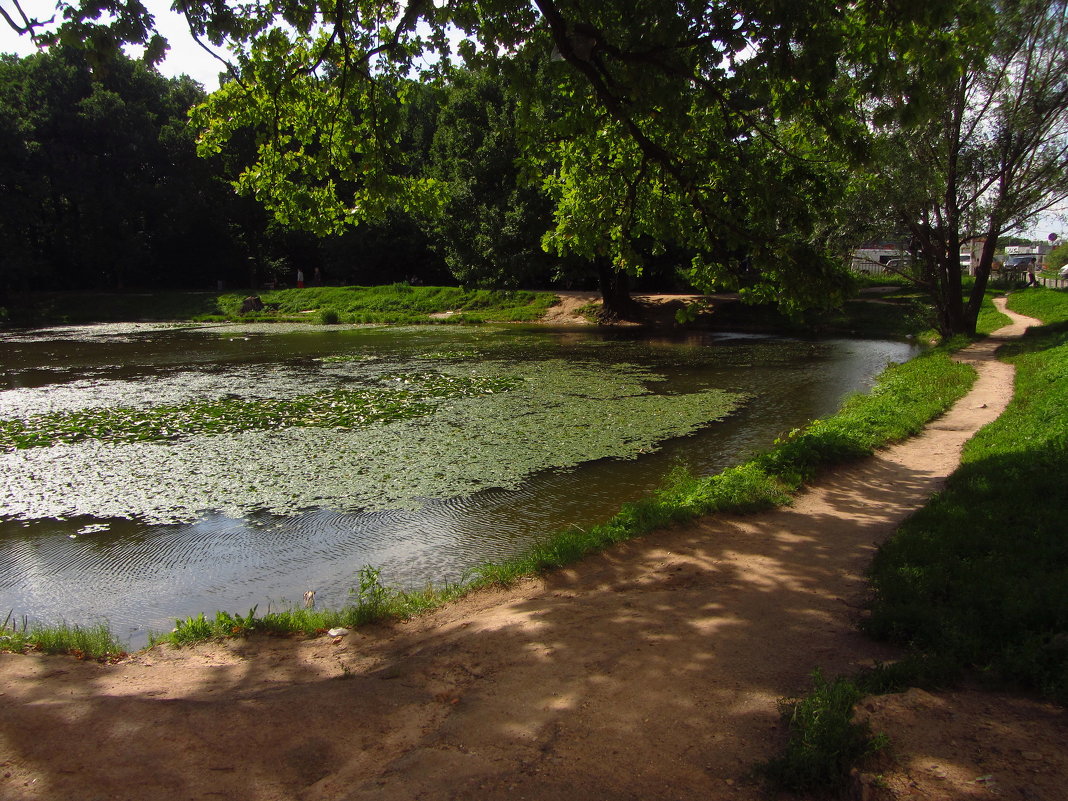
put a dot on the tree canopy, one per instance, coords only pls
(99, 176)
(728, 132)
(715, 126)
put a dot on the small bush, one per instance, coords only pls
(824, 742)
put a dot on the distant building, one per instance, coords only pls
(1032, 249)
(872, 257)
(1037, 249)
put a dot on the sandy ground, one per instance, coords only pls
(658, 309)
(652, 671)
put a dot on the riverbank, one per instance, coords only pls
(652, 670)
(878, 311)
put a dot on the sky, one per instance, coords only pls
(184, 57)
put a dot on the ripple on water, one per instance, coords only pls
(305, 509)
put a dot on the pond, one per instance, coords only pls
(149, 472)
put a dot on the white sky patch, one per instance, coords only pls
(185, 57)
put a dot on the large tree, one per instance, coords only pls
(100, 184)
(994, 158)
(648, 123)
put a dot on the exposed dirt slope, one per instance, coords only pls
(649, 672)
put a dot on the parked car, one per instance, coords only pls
(1020, 262)
(1064, 271)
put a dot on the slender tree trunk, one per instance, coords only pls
(982, 278)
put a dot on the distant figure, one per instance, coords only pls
(317, 277)
(300, 278)
(1031, 280)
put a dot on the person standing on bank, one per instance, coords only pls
(300, 278)
(1031, 266)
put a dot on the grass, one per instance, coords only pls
(825, 742)
(83, 642)
(976, 583)
(371, 601)
(396, 303)
(979, 577)
(393, 304)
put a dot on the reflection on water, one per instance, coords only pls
(140, 576)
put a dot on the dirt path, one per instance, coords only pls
(649, 672)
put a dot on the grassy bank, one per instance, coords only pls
(978, 579)
(393, 304)
(84, 642)
(976, 583)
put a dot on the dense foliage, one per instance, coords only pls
(100, 185)
(716, 131)
(750, 144)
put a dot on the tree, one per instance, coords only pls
(1057, 257)
(101, 184)
(490, 226)
(993, 160)
(646, 123)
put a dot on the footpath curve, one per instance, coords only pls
(651, 671)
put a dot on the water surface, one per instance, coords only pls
(138, 533)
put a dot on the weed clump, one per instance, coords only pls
(825, 742)
(84, 642)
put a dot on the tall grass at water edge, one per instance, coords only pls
(395, 303)
(85, 642)
(976, 582)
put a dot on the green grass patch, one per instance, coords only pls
(370, 601)
(84, 642)
(979, 577)
(1048, 305)
(392, 304)
(824, 743)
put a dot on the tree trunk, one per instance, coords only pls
(615, 295)
(982, 278)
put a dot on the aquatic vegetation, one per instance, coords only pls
(340, 409)
(418, 435)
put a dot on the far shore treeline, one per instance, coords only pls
(101, 188)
